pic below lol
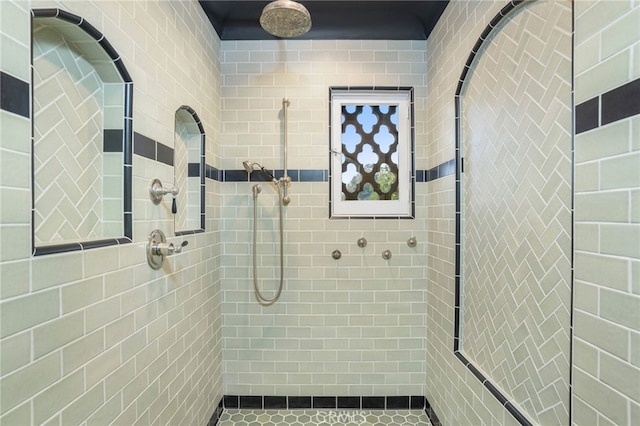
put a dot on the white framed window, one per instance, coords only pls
(371, 152)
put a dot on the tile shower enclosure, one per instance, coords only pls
(98, 336)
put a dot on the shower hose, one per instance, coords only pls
(264, 300)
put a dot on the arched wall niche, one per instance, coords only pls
(189, 171)
(82, 136)
(513, 260)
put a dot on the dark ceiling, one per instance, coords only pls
(351, 20)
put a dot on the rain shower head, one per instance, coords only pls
(285, 18)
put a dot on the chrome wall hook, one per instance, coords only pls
(362, 242)
(386, 255)
(412, 242)
(336, 254)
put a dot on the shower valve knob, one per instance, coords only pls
(158, 248)
(156, 191)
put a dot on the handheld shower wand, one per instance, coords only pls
(251, 167)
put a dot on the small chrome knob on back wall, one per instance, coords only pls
(386, 255)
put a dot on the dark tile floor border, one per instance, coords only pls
(296, 402)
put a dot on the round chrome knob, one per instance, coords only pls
(386, 255)
(336, 254)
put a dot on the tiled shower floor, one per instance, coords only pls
(235, 417)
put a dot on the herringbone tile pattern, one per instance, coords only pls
(68, 129)
(517, 211)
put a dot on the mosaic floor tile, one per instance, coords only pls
(232, 417)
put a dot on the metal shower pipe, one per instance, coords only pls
(286, 179)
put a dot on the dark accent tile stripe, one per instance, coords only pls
(621, 102)
(349, 402)
(57, 248)
(108, 48)
(193, 169)
(298, 402)
(14, 95)
(191, 232)
(397, 403)
(324, 402)
(90, 29)
(231, 401)
(86, 245)
(213, 173)
(435, 421)
(128, 142)
(587, 115)
(69, 17)
(164, 154)
(236, 176)
(112, 140)
(128, 100)
(252, 402)
(153, 150)
(45, 13)
(144, 146)
(275, 402)
(373, 402)
(99, 243)
(270, 402)
(616, 104)
(313, 175)
(417, 402)
(445, 169)
(128, 224)
(128, 181)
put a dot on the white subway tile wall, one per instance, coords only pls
(111, 340)
(353, 326)
(98, 336)
(606, 370)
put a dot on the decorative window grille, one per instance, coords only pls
(371, 152)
